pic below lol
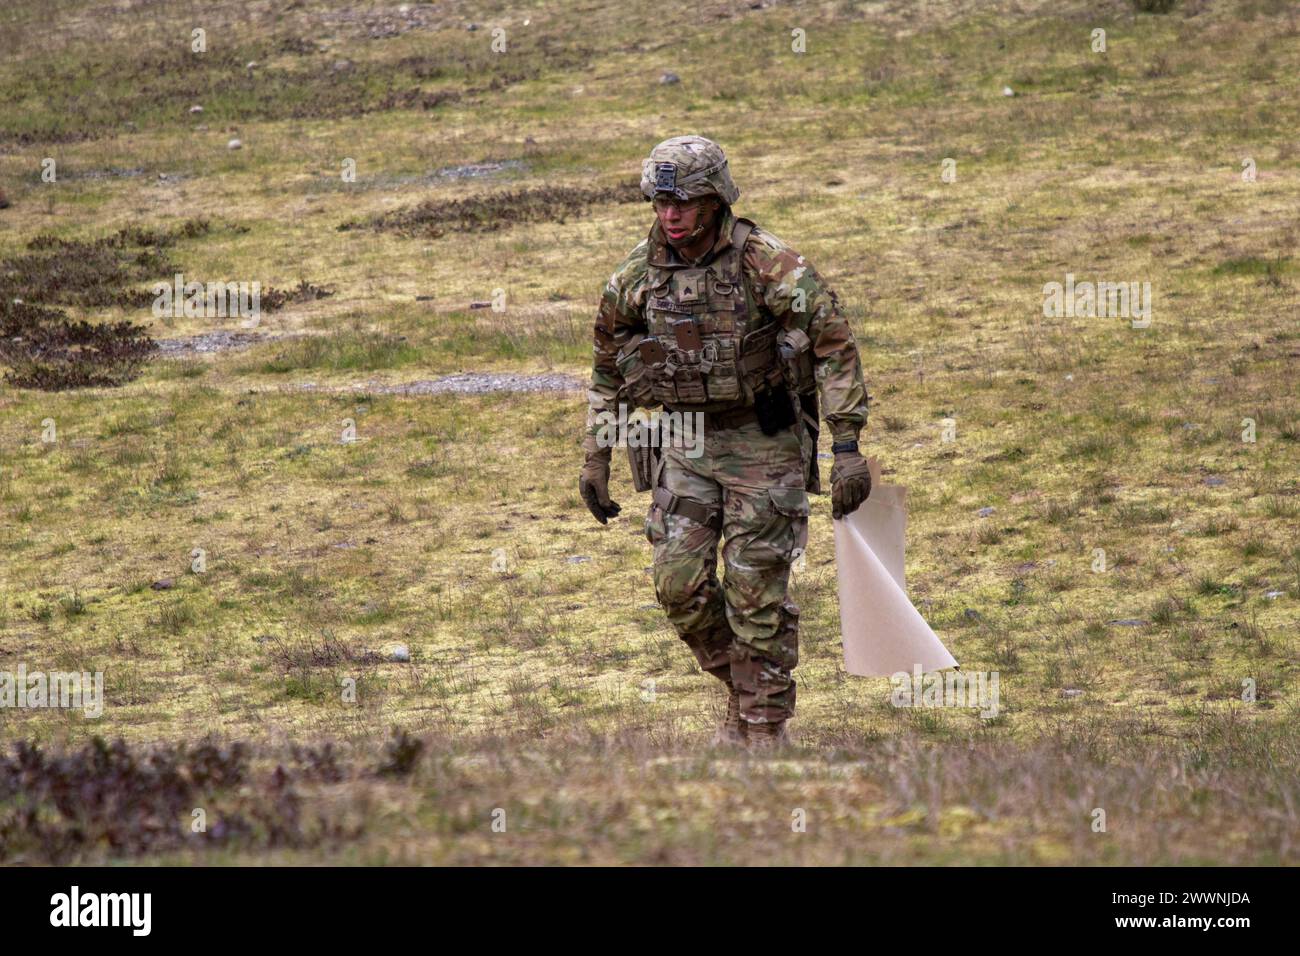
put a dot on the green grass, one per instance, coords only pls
(448, 526)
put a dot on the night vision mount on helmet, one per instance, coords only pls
(687, 167)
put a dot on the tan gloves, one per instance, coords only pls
(593, 484)
(850, 483)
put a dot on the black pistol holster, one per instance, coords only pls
(774, 409)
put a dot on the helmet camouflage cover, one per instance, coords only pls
(686, 167)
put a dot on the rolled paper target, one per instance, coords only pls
(883, 633)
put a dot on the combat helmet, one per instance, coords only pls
(686, 167)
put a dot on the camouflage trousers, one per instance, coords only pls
(744, 631)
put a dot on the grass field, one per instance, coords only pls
(452, 525)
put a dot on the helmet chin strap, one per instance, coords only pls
(699, 228)
(693, 233)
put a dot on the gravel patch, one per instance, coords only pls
(447, 174)
(464, 383)
(476, 170)
(109, 173)
(208, 342)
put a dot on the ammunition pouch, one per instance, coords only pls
(643, 453)
(635, 374)
(795, 350)
(713, 372)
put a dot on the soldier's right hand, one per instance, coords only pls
(594, 488)
(594, 484)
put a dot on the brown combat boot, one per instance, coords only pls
(766, 738)
(732, 728)
(4, 203)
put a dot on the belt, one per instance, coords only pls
(722, 420)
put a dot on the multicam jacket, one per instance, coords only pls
(786, 290)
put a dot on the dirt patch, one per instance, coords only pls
(437, 217)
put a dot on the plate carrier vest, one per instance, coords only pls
(708, 347)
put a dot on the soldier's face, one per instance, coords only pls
(679, 219)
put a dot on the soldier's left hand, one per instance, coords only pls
(850, 483)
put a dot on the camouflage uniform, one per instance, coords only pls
(747, 487)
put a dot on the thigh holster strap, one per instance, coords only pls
(695, 510)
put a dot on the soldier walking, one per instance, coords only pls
(712, 314)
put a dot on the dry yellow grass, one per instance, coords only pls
(453, 526)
